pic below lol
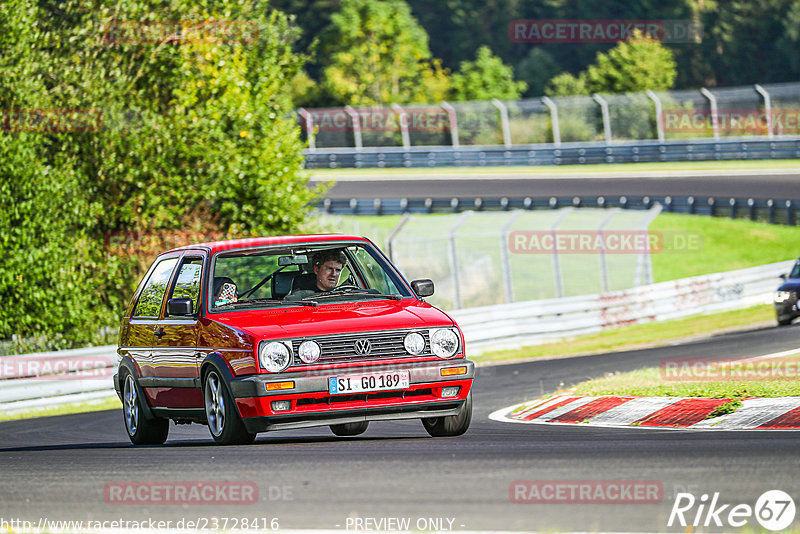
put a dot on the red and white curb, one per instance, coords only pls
(655, 412)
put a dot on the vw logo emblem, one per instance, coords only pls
(363, 347)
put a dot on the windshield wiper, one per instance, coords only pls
(359, 293)
(244, 303)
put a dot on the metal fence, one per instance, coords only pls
(488, 258)
(768, 111)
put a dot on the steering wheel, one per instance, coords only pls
(345, 287)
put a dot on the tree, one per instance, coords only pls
(193, 133)
(632, 66)
(565, 84)
(536, 69)
(485, 78)
(377, 53)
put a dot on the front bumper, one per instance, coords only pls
(313, 405)
(786, 309)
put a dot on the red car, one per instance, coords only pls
(276, 333)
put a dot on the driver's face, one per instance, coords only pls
(328, 274)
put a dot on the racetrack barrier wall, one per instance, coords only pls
(541, 321)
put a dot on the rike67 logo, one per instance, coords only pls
(774, 510)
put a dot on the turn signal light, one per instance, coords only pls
(276, 386)
(450, 371)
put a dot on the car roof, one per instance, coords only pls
(231, 244)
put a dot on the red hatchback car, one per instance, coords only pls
(276, 333)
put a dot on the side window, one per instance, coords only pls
(187, 283)
(149, 303)
(374, 273)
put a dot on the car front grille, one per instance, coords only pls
(342, 347)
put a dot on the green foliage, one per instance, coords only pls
(565, 84)
(189, 134)
(536, 69)
(377, 53)
(632, 66)
(635, 65)
(485, 78)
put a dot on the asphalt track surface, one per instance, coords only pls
(57, 468)
(778, 185)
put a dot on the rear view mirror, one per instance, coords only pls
(180, 306)
(423, 287)
(300, 259)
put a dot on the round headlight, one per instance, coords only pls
(444, 343)
(274, 356)
(414, 343)
(308, 351)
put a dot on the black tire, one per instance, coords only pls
(450, 425)
(350, 429)
(785, 322)
(223, 419)
(142, 430)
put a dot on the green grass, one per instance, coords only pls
(724, 245)
(654, 382)
(637, 336)
(111, 403)
(570, 169)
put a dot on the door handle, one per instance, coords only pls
(159, 332)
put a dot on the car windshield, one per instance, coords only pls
(302, 275)
(795, 270)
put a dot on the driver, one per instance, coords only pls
(328, 266)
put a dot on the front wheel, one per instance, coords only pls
(350, 429)
(223, 419)
(141, 429)
(450, 425)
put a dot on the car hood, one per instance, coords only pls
(792, 284)
(340, 318)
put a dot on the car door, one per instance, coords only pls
(145, 319)
(175, 344)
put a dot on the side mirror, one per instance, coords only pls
(784, 276)
(179, 306)
(423, 287)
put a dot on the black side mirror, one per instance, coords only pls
(784, 276)
(180, 306)
(423, 287)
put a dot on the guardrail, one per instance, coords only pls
(48, 378)
(51, 378)
(767, 210)
(551, 154)
(541, 321)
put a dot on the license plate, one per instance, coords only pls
(369, 382)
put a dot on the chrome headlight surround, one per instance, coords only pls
(274, 356)
(444, 342)
(414, 343)
(782, 296)
(309, 351)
